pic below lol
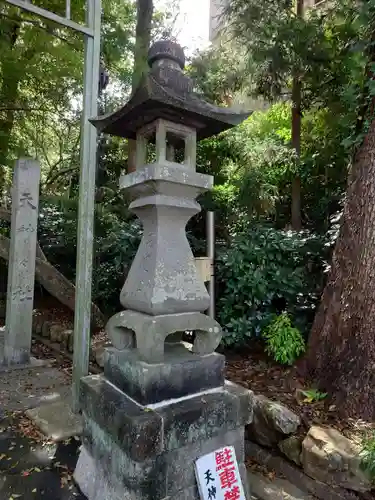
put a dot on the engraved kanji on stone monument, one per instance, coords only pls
(21, 273)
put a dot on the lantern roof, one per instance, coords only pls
(167, 92)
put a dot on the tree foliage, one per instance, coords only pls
(263, 269)
(41, 66)
(221, 73)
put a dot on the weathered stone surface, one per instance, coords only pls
(46, 326)
(180, 462)
(129, 328)
(135, 429)
(205, 416)
(21, 268)
(182, 373)
(95, 485)
(163, 278)
(144, 432)
(291, 447)
(56, 420)
(246, 401)
(295, 475)
(163, 475)
(197, 419)
(55, 332)
(330, 457)
(275, 489)
(37, 323)
(65, 337)
(272, 422)
(99, 353)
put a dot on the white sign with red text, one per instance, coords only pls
(218, 476)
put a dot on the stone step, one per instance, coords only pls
(263, 488)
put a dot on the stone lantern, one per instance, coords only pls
(161, 403)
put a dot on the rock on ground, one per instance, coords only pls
(295, 475)
(56, 420)
(276, 489)
(330, 457)
(272, 422)
(291, 447)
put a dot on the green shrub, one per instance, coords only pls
(283, 342)
(313, 395)
(263, 272)
(368, 455)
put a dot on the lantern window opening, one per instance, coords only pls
(166, 142)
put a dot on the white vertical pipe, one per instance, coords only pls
(67, 9)
(210, 231)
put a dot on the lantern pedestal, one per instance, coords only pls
(136, 452)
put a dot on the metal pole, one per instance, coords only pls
(210, 229)
(28, 6)
(82, 316)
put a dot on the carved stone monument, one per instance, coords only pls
(16, 344)
(161, 403)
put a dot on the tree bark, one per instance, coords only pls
(296, 220)
(145, 10)
(341, 351)
(54, 282)
(8, 93)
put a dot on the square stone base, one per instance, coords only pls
(131, 452)
(95, 485)
(181, 373)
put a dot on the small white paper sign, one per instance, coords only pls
(218, 476)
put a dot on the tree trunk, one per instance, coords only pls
(8, 93)
(145, 9)
(341, 351)
(54, 282)
(8, 97)
(296, 140)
